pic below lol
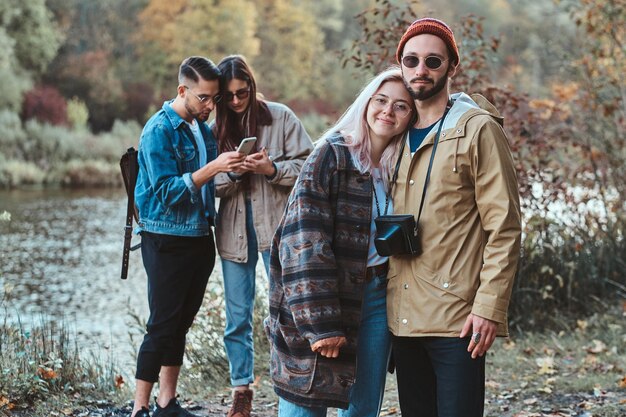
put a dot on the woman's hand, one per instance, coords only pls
(259, 163)
(329, 347)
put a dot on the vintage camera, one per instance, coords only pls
(396, 234)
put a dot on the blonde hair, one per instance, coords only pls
(352, 125)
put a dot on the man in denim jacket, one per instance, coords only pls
(175, 197)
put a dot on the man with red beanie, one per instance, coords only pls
(446, 305)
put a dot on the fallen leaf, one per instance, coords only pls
(389, 412)
(598, 347)
(622, 383)
(546, 365)
(531, 401)
(46, 373)
(492, 384)
(119, 381)
(509, 344)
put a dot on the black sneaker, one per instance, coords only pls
(144, 412)
(172, 409)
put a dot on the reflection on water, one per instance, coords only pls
(60, 258)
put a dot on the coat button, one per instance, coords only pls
(240, 211)
(446, 284)
(404, 321)
(411, 182)
(240, 236)
(458, 131)
(406, 286)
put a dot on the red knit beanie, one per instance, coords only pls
(434, 27)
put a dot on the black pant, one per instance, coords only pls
(178, 270)
(437, 377)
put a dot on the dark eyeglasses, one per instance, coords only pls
(205, 99)
(241, 94)
(432, 62)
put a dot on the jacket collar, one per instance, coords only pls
(463, 109)
(172, 116)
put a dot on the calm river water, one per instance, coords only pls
(60, 257)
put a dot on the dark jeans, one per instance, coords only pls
(437, 377)
(178, 270)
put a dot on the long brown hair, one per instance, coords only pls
(231, 127)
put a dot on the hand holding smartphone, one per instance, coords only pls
(246, 145)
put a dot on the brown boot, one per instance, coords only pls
(242, 404)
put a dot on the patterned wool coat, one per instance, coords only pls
(318, 263)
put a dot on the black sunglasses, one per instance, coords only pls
(241, 94)
(432, 62)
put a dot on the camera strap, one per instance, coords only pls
(430, 164)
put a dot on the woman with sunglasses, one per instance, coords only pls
(252, 201)
(328, 323)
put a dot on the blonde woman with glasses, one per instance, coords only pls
(328, 324)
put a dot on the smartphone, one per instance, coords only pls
(246, 145)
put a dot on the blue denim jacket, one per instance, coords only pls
(168, 201)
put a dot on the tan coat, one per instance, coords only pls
(288, 145)
(470, 227)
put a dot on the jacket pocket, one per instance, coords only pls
(459, 287)
(185, 156)
(292, 363)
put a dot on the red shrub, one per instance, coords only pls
(45, 104)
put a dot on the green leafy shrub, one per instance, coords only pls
(11, 134)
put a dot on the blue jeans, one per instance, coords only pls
(239, 290)
(373, 349)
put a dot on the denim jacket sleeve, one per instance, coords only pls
(161, 161)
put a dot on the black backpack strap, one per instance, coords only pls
(129, 166)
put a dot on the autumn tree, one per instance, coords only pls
(291, 48)
(170, 30)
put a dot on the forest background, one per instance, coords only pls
(80, 77)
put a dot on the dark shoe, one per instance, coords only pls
(242, 404)
(144, 412)
(172, 409)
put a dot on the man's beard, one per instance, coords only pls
(199, 115)
(426, 93)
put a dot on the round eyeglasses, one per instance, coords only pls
(432, 62)
(381, 102)
(205, 99)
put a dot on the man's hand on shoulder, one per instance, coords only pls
(483, 333)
